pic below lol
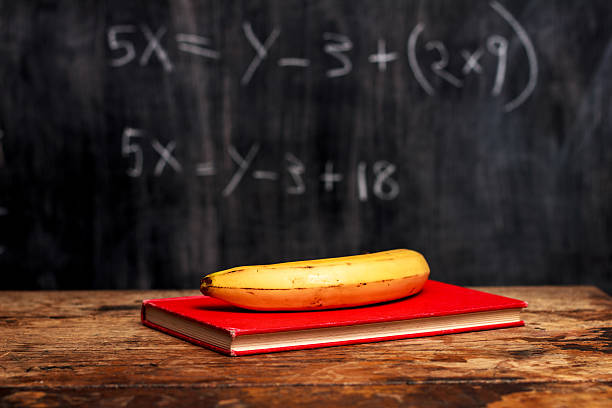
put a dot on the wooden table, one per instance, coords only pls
(89, 349)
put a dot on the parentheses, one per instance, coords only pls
(531, 56)
(413, 61)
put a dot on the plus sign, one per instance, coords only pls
(382, 56)
(329, 177)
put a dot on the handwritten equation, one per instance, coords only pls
(338, 46)
(383, 184)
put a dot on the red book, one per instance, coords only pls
(439, 308)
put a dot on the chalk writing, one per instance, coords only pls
(439, 66)
(329, 177)
(134, 143)
(260, 49)
(129, 52)
(243, 166)
(129, 148)
(413, 61)
(362, 186)
(293, 62)
(382, 56)
(193, 44)
(296, 170)
(498, 46)
(154, 47)
(471, 61)
(531, 55)
(265, 175)
(385, 187)
(205, 169)
(495, 44)
(165, 157)
(338, 46)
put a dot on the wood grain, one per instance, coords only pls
(86, 348)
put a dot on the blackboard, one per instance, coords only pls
(146, 143)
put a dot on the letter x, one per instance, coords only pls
(471, 61)
(154, 46)
(165, 157)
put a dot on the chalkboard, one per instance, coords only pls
(146, 143)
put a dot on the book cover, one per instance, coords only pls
(440, 308)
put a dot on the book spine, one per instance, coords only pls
(152, 325)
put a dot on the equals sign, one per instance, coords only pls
(205, 169)
(194, 44)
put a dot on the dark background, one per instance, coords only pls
(491, 191)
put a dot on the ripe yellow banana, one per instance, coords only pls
(322, 283)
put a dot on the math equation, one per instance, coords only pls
(120, 40)
(375, 179)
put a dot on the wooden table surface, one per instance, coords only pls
(88, 348)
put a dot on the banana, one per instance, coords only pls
(322, 283)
